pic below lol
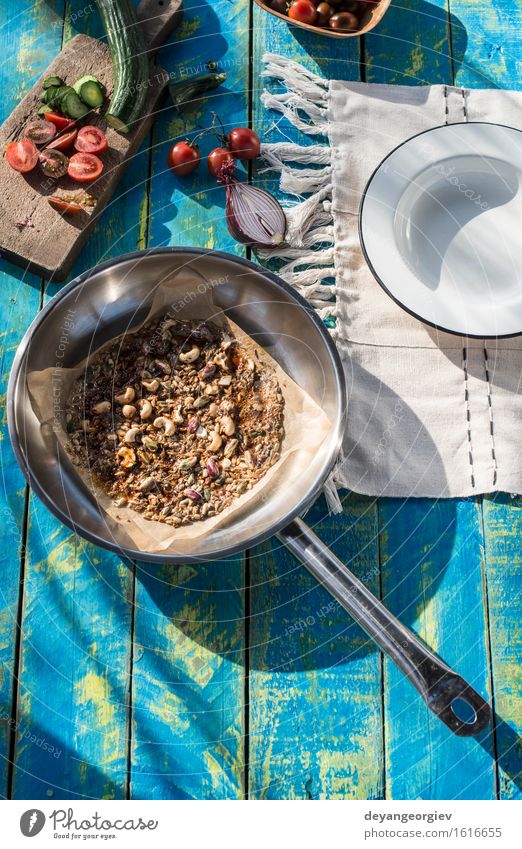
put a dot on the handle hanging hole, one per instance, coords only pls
(464, 711)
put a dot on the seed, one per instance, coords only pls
(230, 447)
(102, 407)
(188, 463)
(207, 495)
(200, 402)
(128, 411)
(249, 460)
(213, 410)
(126, 397)
(121, 501)
(149, 443)
(147, 484)
(212, 468)
(226, 463)
(212, 389)
(226, 380)
(208, 371)
(241, 487)
(177, 417)
(205, 508)
(201, 432)
(193, 425)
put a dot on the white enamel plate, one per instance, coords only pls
(441, 228)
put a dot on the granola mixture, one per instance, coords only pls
(176, 421)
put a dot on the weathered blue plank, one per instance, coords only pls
(75, 671)
(188, 678)
(29, 41)
(432, 579)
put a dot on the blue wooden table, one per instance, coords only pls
(242, 677)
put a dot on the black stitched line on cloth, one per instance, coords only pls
(468, 414)
(491, 425)
(464, 104)
(446, 107)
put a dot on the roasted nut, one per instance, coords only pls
(188, 463)
(131, 435)
(167, 425)
(126, 457)
(216, 441)
(193, 424)
(213, 468)
(102, 407)
(151, 385)
(230, 447)
(145, 409)
(128, 411)
(227, 425)
(213, 410)
(163, 366)
(226, 380)
(207, 372)
(193, 495)
(177, 418)
(126, 397)
(147, 484)
(190, 356)
(202, 401)
(201, 432)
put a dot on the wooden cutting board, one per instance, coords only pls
(50, 246)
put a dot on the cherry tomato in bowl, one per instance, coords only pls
(183, 158)
(91, 140)
(84, 167)
(303, 11)
(243, 143)
(21, 155)
(59, 121)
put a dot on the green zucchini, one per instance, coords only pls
(92, 94)
(130, 63)
(72, 106)
(53, 82)
(187, 91)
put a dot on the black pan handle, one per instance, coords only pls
(448, 695)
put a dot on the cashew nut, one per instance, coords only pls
(227, 425)
(127, 396)
(131, 435)
(216, 443)
(151, 385)
(167, 424)
(128, 411)
(102, 407)
(145, 409)
(190, 356)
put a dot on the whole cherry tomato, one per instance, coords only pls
(243, 143)
(303, 11)
(217, 158)
(183, 158)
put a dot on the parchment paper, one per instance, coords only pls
(184, 295)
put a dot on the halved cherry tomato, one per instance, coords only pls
(39, 131)
(59, 121)
(91, 140)
(64, 141)
(21, 155)
(53, 163)
(84, 167)
(66, 207)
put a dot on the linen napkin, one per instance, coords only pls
(429, 413)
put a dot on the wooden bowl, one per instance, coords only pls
(369, 20)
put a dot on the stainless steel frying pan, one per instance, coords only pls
(114, 298)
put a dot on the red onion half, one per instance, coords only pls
(254, 217)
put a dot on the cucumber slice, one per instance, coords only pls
(91, 94)
(50, 93)
(53, 81)
(44, 108)
(88, 78)
(72, 106)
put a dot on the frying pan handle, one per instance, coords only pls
(448, 695)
